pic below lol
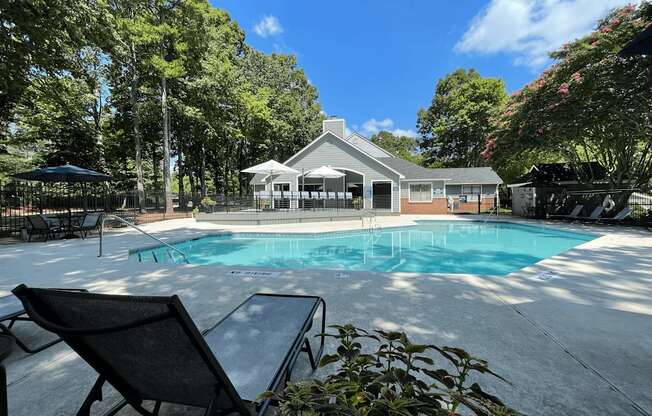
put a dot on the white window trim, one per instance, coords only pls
(289, 184)
(471, 185)
(410, 192)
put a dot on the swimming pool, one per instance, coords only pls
(490, 248)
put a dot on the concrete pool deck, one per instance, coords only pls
(578, 343)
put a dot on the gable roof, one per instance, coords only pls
(413, 171)
(484, 175)
(358, 149)
(367, 145)
(405, 169)
(481, 175)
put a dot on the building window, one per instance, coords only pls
(420, 192)
(285, 187)
(471, 189)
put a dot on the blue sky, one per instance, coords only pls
(376, 63)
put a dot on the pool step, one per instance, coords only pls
(169, 257)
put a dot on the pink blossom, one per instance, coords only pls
(615, 22)
(540, 130)
(577, 77)
(563, 88)
(595, 43)
(606, 30)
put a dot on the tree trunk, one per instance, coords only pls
(155, 168)
(167, 178)
(135, 106)
(193, 189)
(202, 173)
(182, 190)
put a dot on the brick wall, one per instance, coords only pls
(440, 206)
(437, 206)
(472, 206)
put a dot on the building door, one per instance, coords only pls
(382, 195)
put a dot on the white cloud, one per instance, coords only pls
(532, 28)
(373, 126)
(268, 26)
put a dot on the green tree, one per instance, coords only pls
(39, 37)
(405, 147)
(454, 127)
(64, 116)
(591, 105)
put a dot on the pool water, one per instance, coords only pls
(491, 248)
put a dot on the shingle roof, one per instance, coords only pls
(484, 175)
(410, 170)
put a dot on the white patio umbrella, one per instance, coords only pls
(271, 168)
(325, 172)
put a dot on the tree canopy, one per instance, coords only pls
(454, 127)
(405, 147)
(592, 104)
(129, 86)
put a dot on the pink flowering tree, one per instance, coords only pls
(591, 105)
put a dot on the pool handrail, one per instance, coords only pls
(129, 224)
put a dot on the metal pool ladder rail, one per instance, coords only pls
(127, 223)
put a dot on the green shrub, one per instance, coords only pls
(207, 202)
(397, 379)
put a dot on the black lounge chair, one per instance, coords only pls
(620, 216)
(89, 223)
(149, 349)
(574, 214)
(38, 224)
(595, 214)
(11, 310)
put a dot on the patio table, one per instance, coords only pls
(67, 221)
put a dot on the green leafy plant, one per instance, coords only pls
(398, 378)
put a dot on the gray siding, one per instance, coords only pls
(330, 150)
(487, 189)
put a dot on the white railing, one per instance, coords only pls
(127, 223)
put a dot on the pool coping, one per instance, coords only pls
(315, 235)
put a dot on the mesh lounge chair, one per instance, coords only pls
(574, 213)
(620, 216)
(149, 349)
(39, 225)
(11, 310)
(595, 214)
(91, 222)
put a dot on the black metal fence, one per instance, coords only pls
(20, 199)
(560, 202)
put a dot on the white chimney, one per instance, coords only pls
(335, 126)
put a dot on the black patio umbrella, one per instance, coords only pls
(65, 173)
(640, 45)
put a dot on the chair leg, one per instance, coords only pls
(95, 395)
(307, 349)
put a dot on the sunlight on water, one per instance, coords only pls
(430, 247)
